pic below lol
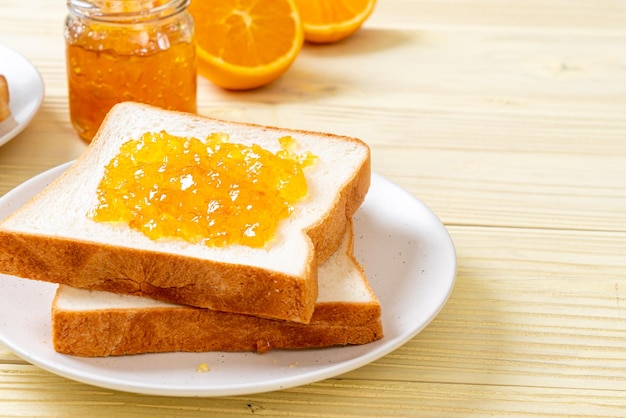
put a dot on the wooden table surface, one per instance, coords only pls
(508, 119)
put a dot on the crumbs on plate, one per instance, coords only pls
(203, 368)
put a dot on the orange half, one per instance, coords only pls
(244, 44)
(326, 21)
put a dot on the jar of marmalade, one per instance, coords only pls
(128, 50)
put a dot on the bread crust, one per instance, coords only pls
(237, 288)
(167, 277)
(116, 332)
(7, 120)
(327, 234)
(5, 110)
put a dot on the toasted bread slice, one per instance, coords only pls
(52, 239)
(7, 121)
(95, 323)
(5, 110)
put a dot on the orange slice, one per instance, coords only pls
(244, 44)
(327, 21)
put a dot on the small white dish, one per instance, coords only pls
(26, 91)
(408, 257)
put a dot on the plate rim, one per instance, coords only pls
(14, 55)
(378, 350)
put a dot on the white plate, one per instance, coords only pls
(26, 92)
(408, 257)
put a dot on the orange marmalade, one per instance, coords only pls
(128, 50)
(214, 191)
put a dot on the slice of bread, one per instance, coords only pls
(95, 323)
(7, 121)
(52, 239)
(5, 110)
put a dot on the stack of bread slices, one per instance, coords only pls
(121, 292)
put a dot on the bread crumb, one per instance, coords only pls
(263, 347)
(292, 365)
(203, 368)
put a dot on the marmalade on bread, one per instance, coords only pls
(213, 191)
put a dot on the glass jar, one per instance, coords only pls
(128, 50)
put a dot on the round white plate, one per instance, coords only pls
(26, 92)
(408, 257)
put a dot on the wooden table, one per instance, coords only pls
(507, 118)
